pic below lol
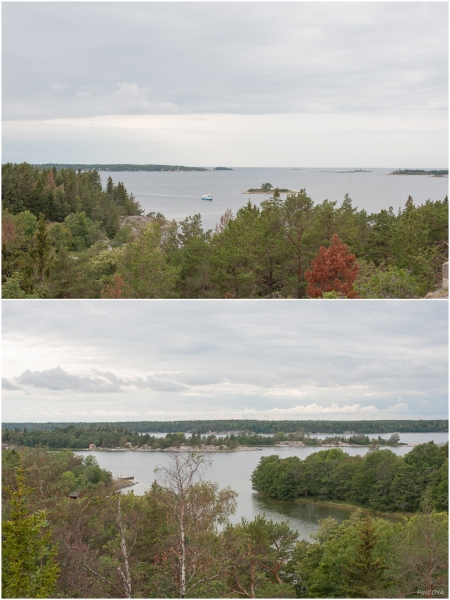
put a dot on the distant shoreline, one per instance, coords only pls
(123, 168)
(184, 448)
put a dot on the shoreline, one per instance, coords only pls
(396, 516)
(277, 445)
(213, 449)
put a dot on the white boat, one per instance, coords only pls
(207, 197)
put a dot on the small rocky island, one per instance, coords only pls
(267, 188)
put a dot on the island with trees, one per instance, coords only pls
(69, 533)
(267, 188)
(64, 236)
(380, 480)
(95, 436)
(432, 172)
(119, 167)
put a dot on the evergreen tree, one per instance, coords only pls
(364, 575)
(410, 236)
(298, 218)
(13, 202)
(41, 252)
(110, 186)
(28, 558)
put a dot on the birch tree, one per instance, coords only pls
(195, 509)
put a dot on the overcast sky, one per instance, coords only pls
(288, 83)
(163, 360)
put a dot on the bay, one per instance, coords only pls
(177, 194)
(234, 469)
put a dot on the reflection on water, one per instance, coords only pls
(302, 517)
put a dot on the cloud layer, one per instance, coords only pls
(168, 360)
(246, 58)
(373, 62)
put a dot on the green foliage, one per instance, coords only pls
(56, 547)
(29, 568)
(381, 480)
(84, 232)
(12, 288)
(144, 266)
(421, 554)
(259, 551)
(259, 252)
(388, 282)
(364, 575)
(347, 560)
(261, 426)
(436, 172)
(409, 236)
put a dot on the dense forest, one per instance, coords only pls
(256, 426)
(107, 436)
(122, 167)
(380, 480)
(66, 237)
(177, 541)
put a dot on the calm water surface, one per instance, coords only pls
(234, 469)
(178, 194)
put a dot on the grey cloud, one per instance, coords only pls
(59, 379)
(159, 385)
(124, 98)
(7, 385)
(199, 378)
(225, 356)
(262, 57)
(149, 382)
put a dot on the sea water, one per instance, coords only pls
(177, 194)
(234, 469)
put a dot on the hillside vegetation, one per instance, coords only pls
(177, 540)
(66, 237)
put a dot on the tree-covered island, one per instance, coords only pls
(380, 480)
(121, 167)
(433, 173)
(64, 236)
(267, 188)
(110, 437)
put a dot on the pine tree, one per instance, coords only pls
(13, 202)
(363, 576)
(110, 186)
(410, 236)
(29, 569)
(40, 252)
